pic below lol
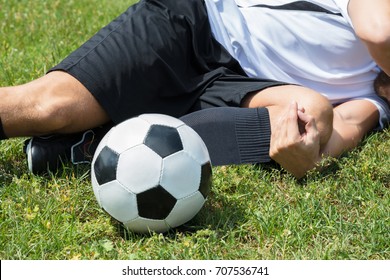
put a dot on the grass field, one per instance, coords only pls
(253, 212)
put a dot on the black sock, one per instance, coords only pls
(2, 134)
(233, 135)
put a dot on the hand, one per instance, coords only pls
(295, 141)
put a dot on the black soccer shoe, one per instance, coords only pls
(49, 153)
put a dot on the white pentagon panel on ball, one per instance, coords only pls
(139, 169)
(185, 209)
(193, 144)
(128, 134)
(142, 225)
(118, 202)
(95, 186)
(181, 175)
(162, 120)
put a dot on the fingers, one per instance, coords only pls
(305, 118)
(300, 108)
(292, 111)
(292, 127)
(311, 132)
(285, 132)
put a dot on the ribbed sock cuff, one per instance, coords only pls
(233, 135)
(253, 134)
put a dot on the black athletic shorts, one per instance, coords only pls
(159, 57)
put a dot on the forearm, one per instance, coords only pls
(371, 22)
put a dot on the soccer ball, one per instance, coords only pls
(151, 173)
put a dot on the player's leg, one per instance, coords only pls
(353, 120)
(277, 99)
(242, 135)
(54, 103)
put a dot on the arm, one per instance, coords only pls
(371, 21)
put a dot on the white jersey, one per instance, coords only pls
(311, 43)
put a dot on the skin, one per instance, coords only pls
(54, 103)
(351, 122)
(371, 22)
(295, 150)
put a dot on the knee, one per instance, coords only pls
(59, 104)
(320, 108)
(311, 101)
(316, 105)
(50, 114)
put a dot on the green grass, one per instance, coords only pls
(253, 212)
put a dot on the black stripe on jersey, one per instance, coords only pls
(298, 6)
